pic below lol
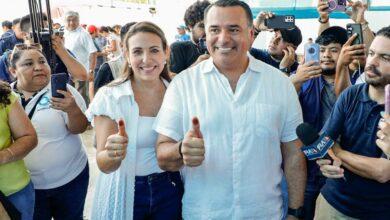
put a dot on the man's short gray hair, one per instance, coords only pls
(71, 14)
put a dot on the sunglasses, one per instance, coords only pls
(23, 46)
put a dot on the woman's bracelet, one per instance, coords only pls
(12, 154)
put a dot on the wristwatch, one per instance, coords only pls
(298, 213)
(323, 22)
(285, 70)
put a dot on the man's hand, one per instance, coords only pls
(193, 146)
(288, 58)
(357, 12)
(322, 9)
(66, 104)
(259, 22)
(307, 71)
(331, 170)
(383, 135)
(349, 53)
(116, 144)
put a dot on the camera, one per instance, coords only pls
(337, 5)
(202, 47)
(58, 32)
(312, 53)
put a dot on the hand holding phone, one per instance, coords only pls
(337, 5)
(280, 22)
(355, 29)
(312, 53)
(58, 82)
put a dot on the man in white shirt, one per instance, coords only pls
(225, 124)
(80, 43)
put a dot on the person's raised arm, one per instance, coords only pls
(322, 9)
(357, 14)
(305, 72)
(348, 53)
(75, 68)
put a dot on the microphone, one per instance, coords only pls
(315, 146)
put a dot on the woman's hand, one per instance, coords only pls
(66, 104)
(116, 144)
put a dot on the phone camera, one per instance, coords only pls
(312, 50)
(332, 4)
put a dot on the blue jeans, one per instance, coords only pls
(24, 201)
(64, 202)
(158, 196)
(284, 187)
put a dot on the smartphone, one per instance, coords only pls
(312, 53)
(58, 82)
(337, 5)
(281, 22)
(355, 28)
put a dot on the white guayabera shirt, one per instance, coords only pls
(241, 174)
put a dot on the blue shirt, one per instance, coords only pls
(310, 99)
(355, 119)
(182, 37)
(8, 42)
(4, 73)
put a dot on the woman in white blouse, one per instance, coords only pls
(58, 165)
(131, 185)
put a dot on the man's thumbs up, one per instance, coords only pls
(196, 128)
(121, 128)
(193, 145)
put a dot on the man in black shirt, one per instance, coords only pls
(281, 49)
(186, 53)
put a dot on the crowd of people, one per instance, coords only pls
(198, 129)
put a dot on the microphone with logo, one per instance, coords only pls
(315, 146)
